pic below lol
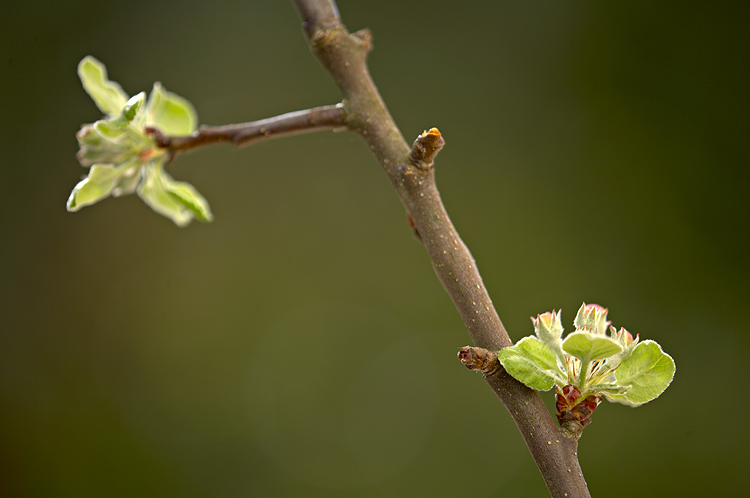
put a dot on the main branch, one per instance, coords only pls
(344, 56)
(411, 172)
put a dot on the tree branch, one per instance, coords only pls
(411, 173)
(330, 117)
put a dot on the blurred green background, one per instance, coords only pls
(594, 153)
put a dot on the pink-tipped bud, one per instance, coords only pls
(628, 336)
(548, 326)
(592, 318)
(622, 336)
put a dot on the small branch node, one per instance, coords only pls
(572, 425)
(161, 140)
(425, 148)
(364, 38)
(479, 359)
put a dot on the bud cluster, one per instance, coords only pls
(593, 362)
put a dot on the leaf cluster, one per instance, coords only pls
(614, 366)
(123, 159)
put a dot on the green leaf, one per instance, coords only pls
(178, 201)
(608, 389)
(191, 199)
(648, 370)
(532, 362)
(107, 95)
(100, 183)
(113, 127)
(587, 346)
(133, 106)
(127, 182)
(170, 113)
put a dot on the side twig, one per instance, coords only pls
(330, 117)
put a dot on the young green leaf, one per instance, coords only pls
(108, 96)
(190, 198)
(127, 183)
(608, 389)
(532, 362)
(648, 370)
(587, 346)
(178, 201)
(132, 107)
(113, 127)
(170, 113)
(152, 191)
(100, 183)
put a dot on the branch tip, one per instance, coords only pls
(425, 148)
(479, 359)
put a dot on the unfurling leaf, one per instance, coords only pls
(102, 181)
(191, 199)
(587, 346)
(113, 127)
(178, 201)
(108, 96)
(648, 370)
(170, 113)
(532, 362)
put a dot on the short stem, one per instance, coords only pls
(584, 373)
